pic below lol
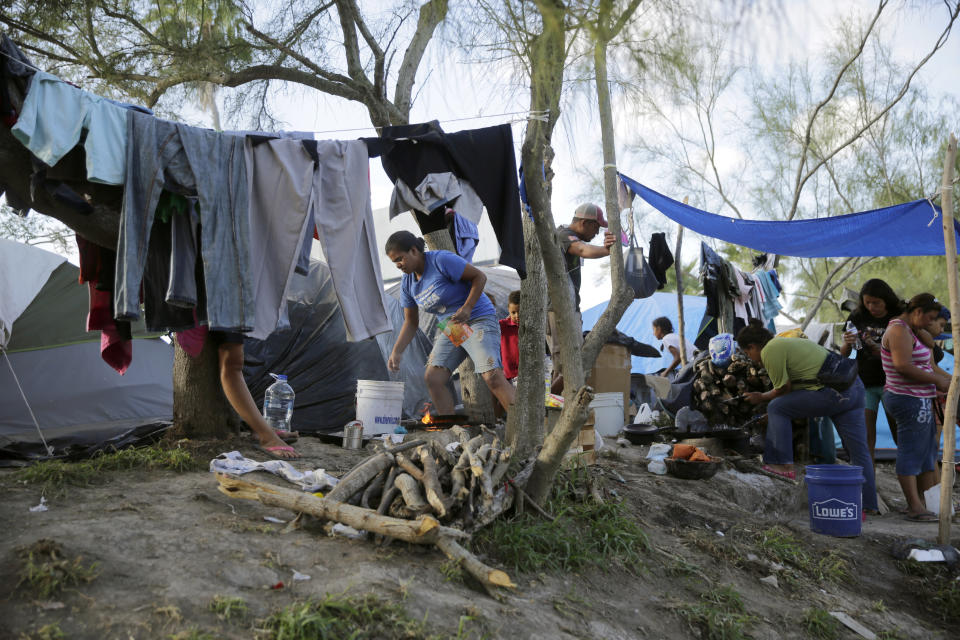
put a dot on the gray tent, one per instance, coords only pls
(52, 366)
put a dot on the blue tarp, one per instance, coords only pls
(910, 229)
(637, 322)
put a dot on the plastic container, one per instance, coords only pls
(834, 492)
(278, 404)
(379, 406)
(608, 413)
(850, 328)
(458, 333)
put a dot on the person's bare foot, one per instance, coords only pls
(273, 445)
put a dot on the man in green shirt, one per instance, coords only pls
(793, 365)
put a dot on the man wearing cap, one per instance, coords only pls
(575, 243)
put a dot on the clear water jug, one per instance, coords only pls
(278, 404)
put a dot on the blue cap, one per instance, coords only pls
(281, 377)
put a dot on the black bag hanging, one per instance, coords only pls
(639, 275)
(837, 372)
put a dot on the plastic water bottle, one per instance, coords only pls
(278, 404)
(858, 345)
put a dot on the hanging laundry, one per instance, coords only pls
(280, 175)
(482, 157)
(344, 219)
(434, 191)
(14, 71)
(661, 258)
(55, 114)
(466, 235)
(189, 161)
(96, 270)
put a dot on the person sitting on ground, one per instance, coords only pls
(446, 285)
(510, 338)
(793, 365)
(910, 390)
(877, 305)
(663, 331)
(230, 357)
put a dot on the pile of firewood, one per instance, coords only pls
(422, 492)
(717, 391)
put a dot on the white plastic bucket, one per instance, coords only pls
(379, 405)
(607, 413)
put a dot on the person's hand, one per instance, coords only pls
(461, 315)
(943, 383)
(664, 374)
(393, 363)
(753, 397)
(850, 337)
(608, 239)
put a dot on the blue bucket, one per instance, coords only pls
(836, 499)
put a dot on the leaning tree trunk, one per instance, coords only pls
(525, 421)
(477, 400)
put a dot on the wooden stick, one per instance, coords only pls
(441, 453)
(375, 485)
(358, 477)
(410, 491)
(530, 501)
(950, 411)
(679, 273)
(387, 499)
(407, 465)
(413, 444)
(431, 484)
(425, 530)
(489, 577)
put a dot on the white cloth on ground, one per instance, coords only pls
(310, 481)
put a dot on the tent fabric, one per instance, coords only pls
(909, 229)
(23, 272)
(637, 322)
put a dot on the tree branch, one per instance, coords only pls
(432, 13)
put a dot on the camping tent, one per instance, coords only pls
(78, 400)
(637, 322)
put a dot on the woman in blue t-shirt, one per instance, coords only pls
(446, 285)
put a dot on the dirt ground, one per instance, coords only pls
(167, 543)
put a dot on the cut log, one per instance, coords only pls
(431, 484)
(489, 577)
(387, 499)
(425, 530)
(359, 476)
(374, 488)
(413, 444)
(410, 491)
(407, 465)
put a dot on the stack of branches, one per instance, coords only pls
(717, 392)
(420, 492)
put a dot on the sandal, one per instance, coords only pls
(789, 475)
(926, 516)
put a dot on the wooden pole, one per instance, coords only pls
(950, 412)
(678, 265)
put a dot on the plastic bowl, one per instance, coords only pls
(692, 470)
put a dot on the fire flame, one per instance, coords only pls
(426, 418)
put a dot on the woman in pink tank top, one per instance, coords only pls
(912, 381)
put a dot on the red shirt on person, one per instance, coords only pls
(510, 348)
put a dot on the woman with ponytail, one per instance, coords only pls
(444, 284)
(793, 365)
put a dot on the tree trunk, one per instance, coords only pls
(474, 392)
(525, 421)
(950, 411)
(200, 409)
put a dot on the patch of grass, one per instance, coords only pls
(170, 613)
(878, 606)
(583, 534)
(46, 570)
(719, 615)
(681, 568)
(55, 475)
(227, 607)
(343, 616)
(783, 547)
(819, 624)
(50, 631)
(890, 634)
(193, 633)
(936, 586)
(452, 571)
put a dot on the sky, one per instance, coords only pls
(465, 96)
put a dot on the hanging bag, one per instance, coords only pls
(637, 271)
(836, 372)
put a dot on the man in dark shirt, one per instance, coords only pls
(574, 242)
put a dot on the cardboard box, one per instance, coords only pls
(611, 373)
